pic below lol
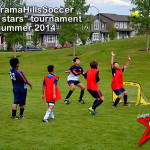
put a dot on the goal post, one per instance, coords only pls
(135, 94)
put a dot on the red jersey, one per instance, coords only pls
(117, 82)
(92, 80)
(49, 83)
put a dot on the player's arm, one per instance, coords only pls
(54, 92)
(54, 88)
(85, 75)
(112, 59)
(29, 84)
(129, 59)
(67, 71)
(24, 78)
(97, 77)
(43, 89)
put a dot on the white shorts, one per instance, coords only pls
(50, 103)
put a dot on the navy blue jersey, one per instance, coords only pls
(18, 78)
(75, 73)
(50, 76)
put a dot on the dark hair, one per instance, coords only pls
(50, 68)
(94, 64)
(74, 60)
(115, 62)
(13, 62)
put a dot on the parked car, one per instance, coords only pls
(29, 48)
(68, 45)
(58, 47)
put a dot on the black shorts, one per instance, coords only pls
(95, 94)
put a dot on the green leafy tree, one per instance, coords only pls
(62, 39)
(72, 31)
(13, 36)
(36, 36)
(141, 24)
(112, 33)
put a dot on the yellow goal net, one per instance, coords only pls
(135, 94)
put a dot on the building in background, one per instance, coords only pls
(107, 21)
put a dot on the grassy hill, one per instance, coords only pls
(74, 128)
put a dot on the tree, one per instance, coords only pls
(142, 24)
(74, 30)
(13, 36)
(112, 33)
(35, 37)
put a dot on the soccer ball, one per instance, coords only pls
(135, 14)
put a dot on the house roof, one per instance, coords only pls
(102, 20)
(115, 17)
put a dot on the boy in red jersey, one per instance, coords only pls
(51, 91)
(117, 83)
(92, 77)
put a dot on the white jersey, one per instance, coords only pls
(75, 73)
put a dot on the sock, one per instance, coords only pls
(94, 102)
(21, 111)
(116, 101)
(14, 112)
(125, 99)
(97, 103)
(81, 94)
(48, 112)
(69, 94)
(52, 114)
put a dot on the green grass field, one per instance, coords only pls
(74, 128)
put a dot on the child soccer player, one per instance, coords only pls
(117, 83)
(74, 73)
(51, 91)
(92, 77)
(19, 88)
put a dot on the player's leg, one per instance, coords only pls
(118, 93)
(16, 102)
(51, 108)
(21, 112)
(48, 112)
(99, 99)
(14, 111)
(82, 87)
(125, 97)
(71, 84)
(22, 102)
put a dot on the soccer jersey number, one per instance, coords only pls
(12, 76)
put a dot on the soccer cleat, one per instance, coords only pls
(20, 117)
(66, 101)
(91, 110)
(95, 112)
(114, 106)
(127, 105)
(81, 100)
(46, 120)
(14, 117)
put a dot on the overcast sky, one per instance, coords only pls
(104, 6)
